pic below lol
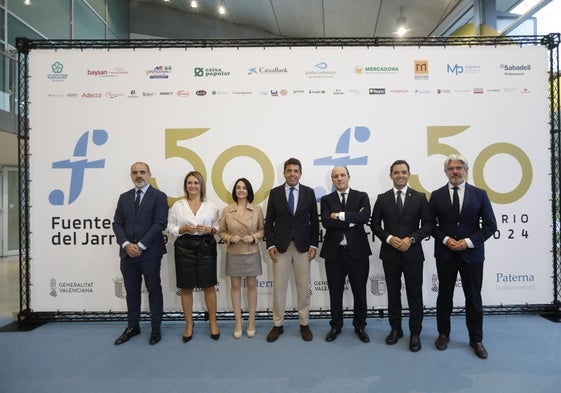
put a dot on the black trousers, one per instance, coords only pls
(472, 279)
(413, 274)
(337, 270)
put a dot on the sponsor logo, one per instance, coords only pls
(148, 94)
(338, 92)
(72, 95)
(399, 91)
(514, 282)
(378, 284)
(376, 69)
(316, 91)
(421, 69)
(299, 91)
(443, 91)
(376, 91)
(209, 72)
(200, 93)
(92, 95)
(515, 70)
(478, 90)
(219, 92)
(70, 287)
(242, 92)
(78, 164)
(115, 72)
(57, 75)
(53, 95)
(421, 91)
(267, 70)
(459, 69)
(120, 291)
(159, 72)
(109, 94)
(320, 71)
(183, 93)
(132, 94)
(167, 93)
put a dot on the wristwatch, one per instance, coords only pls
(412, 240)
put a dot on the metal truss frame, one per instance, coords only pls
(27, 316)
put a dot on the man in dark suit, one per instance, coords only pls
(291, 232)
(401, 220)
(140, 218)
(464, 220)
(346, 251)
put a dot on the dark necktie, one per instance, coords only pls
(399, 202)
(343, 202)
(291, 200)
(137, 200)
(456, 203)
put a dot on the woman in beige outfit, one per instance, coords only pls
(242, 228)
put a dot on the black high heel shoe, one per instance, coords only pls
(216, 336)
(186, 339)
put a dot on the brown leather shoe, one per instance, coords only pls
(415, 343)
(275, 332)
(441, 342)
(479, 350)
(306, 333)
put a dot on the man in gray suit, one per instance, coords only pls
(140, 218)
(291, 232)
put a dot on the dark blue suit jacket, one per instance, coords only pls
(477, 222)
(281, 227)
(146, 225)
(357, 211)
(415, 221)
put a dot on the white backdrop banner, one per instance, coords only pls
(241, 112)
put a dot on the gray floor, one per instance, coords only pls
(524, 356)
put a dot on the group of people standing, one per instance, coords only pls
(459, 216)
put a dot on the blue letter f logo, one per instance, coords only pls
(78, 168)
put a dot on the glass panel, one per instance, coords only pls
(87, 24)
(50, 18)
(18, 29)
(99, 6)
(118, 20)
(7, 83)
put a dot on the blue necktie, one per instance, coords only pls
(137, 200)
(291, 201)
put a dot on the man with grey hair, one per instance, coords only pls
(464, 220)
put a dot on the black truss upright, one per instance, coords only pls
(28, 316)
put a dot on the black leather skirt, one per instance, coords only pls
(195, 261)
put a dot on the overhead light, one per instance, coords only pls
(401, 23)
(194, 4)
(221, 9)
(27, 2)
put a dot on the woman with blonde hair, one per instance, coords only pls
(193, 221)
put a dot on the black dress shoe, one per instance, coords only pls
(414, 343)
(215, 337)
(155, 336)
(362, 335)
(394, 335)
(332, 335)
(274, 334)
(479, 350)
(127, 335)
(186, 339)
(306, 333)
(441, 342)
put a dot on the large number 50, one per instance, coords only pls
(172, 149)
(434, 146)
